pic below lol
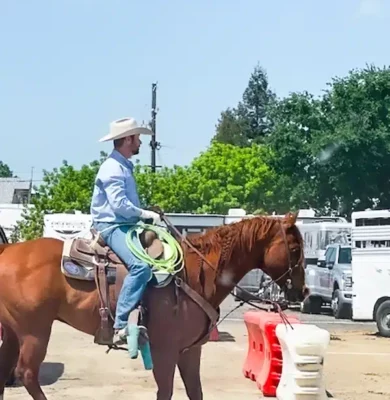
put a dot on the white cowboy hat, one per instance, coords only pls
(125, 127)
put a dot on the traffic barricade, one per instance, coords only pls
(303, 350)
(264, 361)
(214, 335)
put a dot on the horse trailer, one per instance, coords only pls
(371, 268)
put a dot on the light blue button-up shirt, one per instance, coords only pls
(115, 197)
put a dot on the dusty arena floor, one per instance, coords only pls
(357, 367)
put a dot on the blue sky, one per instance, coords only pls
(68, 68)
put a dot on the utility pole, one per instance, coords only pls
(30, 187)
(154, 144)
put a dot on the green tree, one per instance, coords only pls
(5, 171)
(232, 128)
(353, 150)
(172, 189)
(297, 120)
(222, 177)
(250, 121)
(257, 99)
(333, 153)
(227, 176)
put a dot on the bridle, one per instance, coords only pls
(290, 266)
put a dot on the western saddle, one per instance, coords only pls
(96, 261)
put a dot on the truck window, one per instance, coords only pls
(330, 254)
(345, 256)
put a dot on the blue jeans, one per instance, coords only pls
(135, 281)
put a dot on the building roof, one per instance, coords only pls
(8, 186)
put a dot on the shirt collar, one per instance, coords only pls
(123, 160)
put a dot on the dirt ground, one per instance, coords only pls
(356, 367)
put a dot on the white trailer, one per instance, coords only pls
(371, 268)
(67, 226)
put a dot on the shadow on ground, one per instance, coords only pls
(49, 374)
(226, 337)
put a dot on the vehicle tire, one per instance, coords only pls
(382, 318)
(340, 309)
(311, 305)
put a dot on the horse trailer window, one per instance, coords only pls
(338, 235)
(372, 221)
(367, 244)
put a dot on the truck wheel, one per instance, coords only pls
(339, 308)
(382, 318)
(311, 305)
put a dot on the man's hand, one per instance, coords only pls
(156, 209)
(150, 215)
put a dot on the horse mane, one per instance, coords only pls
(243, 234)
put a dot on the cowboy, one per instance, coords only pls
(115, 205)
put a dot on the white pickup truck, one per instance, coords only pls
(330, 281)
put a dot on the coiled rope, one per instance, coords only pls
(171, 265)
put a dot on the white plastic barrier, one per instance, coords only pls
(303, 350)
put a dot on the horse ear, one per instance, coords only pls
(290, 219)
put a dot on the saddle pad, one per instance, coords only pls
(86, 271)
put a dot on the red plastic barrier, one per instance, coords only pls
(214, 335)
(264, 360)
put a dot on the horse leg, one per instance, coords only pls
(189, 367)
(32, 353)
(164, 365)
(9, 351)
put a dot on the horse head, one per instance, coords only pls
(283, 258)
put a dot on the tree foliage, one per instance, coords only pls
(5, 171)
(227, 176)
(220, 178)
(335, 150)
(297, 120)
(354, 149)
(249, 122)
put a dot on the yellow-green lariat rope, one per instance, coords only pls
(172, 265)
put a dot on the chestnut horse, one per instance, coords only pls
(34, 293)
